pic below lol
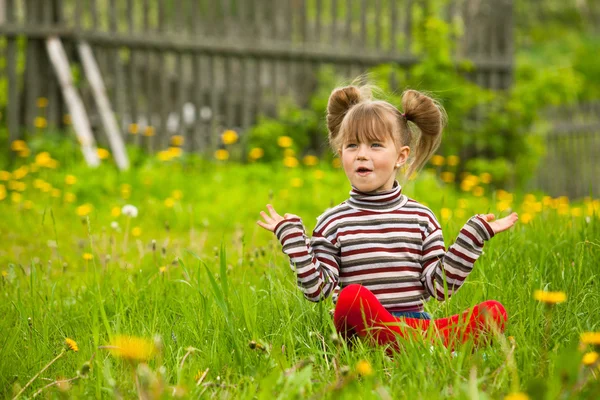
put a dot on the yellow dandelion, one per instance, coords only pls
(133, 129)
(55, 193)
(71, 345)
(5, 175)
(18, 145)
(177, 140)
(177, 194)
(290, 162)
(69, 197)
(28, 204)
(164, 155)
(162, 269)
(285, 141)
(175, 151)
(24, 153)
(296, 182)
(70, 180)
(40, 122)
(466, 185)
(229, 137)
(549, 297)
(336, 163)
(169, 202)
(447, 176)
(289, 153)
(453, 161)
(576, 211)
(88, 256)
(43, 159)
(591, 338)
(16, 197)
(222, 155)
(525, 218)
(319, 174)
(115, 212)
(437, 160)
(136, 231)
(363, 368)
(590, 358)
(149, 131)
(446, 213)
(67, 119)
(21, 172)
(463, 203)
(2, 192)
(460, 213)
(42, 102)
(310, 160)
(256, 153)
(516, 396)
(485, 177)
(478, 191)
(103, 154)
(132, 348)
(84, 209)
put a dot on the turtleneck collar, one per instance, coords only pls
(389, 200)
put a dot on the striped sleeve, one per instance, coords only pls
(316, 261)
(452, 266)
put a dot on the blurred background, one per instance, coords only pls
(248, 81)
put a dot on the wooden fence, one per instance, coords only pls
(196, 67)
(570, 167)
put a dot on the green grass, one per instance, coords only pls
(227, 283)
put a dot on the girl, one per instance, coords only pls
(379, 253)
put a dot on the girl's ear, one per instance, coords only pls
(403, 154)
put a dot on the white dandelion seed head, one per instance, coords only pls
(130, 210)
(114, 225)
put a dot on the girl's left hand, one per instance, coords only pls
(273, 218)
(501, 224)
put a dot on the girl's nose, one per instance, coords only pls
(362, 152)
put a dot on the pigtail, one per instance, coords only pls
(430, 118)
(340, 101)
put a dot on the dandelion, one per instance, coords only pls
(525, 218)
(43, 159)
(42, 102)
(319, 174)
(446, 213)
(336, 163)
(40, 122)
(55, 193)
(133, 129)
(290, 162)
(222, 155)
(447, 176)
(452, 161)
(437, 160)
(18, 145)
(177, 194)
(103, 154)
(15, 197)
(136, 231)
(296, 182)
(229, 137)
(485, 177)
(71, 345)
(549, 297)
(67, 119)
(576, 212)
(28, 204)
(20, 173)
(5, 175)
(130, 210)
(363, 368)
(478, 191)
(88, 256)
(592, 338)
(169, 202)
(24, 153)
(310, 160)
(174, 151)
(70, 180)
(69, 197)
(590, 358)
(131, 348)
(164, 155)
(114, 225)
(256, 153)
(289, 153)
(115, 212)
(162, 269)
(285, 141)
(149, 131)
(84, 209)
(516, 396)
(177, 140)
(2, 192)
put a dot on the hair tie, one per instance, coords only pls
(403, 115)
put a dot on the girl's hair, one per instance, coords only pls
(353, 115)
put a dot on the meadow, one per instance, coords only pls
(157, 283)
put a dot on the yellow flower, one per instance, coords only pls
(549, 297)
(503, 205)
(2, 192)
(447, 177)
(162, 269)
(40, 122)
(136, 232)
(71, 344)
(70, 197)
(177, 194)
(290, 162)
(115, 212)
(590, 358)
(452, 161)
(15, 197)
(67, 119)
(177, 140)
(363, 368)
(42, 102)
(319, 174)
(164, 155)
(463, 203)
(24, 153)
(169, 202)
(285, 141)
(134, 129)
(103, 154)
(310, 160)
(256, 153)
(88, 256)
(42, 159)
(516, 396)
(20, 173)
(84, 209)
(132, 348)
(55, 193)
(5, 175)
(336, 163)
(148, 131)
(437, 160)
(70, 180)
(591, 338)
(289, 153)
(175, 151)
(576, 212)
(229, 137)
(222, 155)
(18, 145)
(446, 213)
(296, 182)
(525, 218)
(485, 177)
(478, 191)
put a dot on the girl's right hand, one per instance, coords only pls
(272, 219)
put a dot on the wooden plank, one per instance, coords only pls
(132, 71)
(164, 100)
(245, 100)
(333, 31)
(11, 75)
(33, 70)
(408, 26)
(214, 105)
(79, 116)
(393, 25)
(363, 23)
(378, 26)
(318, 17)
(229, 95)
(198, 100)
(349, 39)
(107, 115)
(94, 13)
(303, 21)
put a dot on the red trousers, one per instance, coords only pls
(358, 312)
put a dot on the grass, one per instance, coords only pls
(196, 279)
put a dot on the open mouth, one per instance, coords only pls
(363, 171)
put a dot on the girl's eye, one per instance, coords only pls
(376, 145)
(350, 145)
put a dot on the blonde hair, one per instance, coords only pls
(353, 115)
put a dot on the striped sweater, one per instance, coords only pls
(386, 242)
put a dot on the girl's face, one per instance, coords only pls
(372, 166)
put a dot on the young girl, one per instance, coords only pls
(379, 253)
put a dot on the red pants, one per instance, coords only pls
(358, 312)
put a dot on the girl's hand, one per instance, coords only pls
(502, 224)
(273, 219)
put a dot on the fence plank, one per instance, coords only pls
(11, 74)
(79, 117)
(33, 70)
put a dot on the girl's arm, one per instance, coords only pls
(452, 266)
(316, 261)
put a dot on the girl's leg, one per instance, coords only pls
(359, 312)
